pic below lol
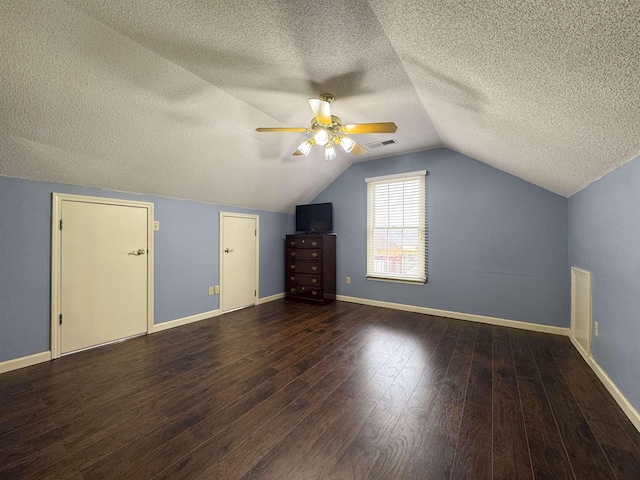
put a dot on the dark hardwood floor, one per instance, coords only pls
(295, 391)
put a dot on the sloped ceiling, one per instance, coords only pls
(163, 97)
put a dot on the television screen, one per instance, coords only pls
(317, 217)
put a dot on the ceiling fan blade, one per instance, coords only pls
(383, 127)
(321, 110)
(282, 129)
(358, 149)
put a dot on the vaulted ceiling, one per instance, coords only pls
(163, 97)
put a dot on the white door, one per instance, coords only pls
(581, 310)
(103, 270)
(239, 260)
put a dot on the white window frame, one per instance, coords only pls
(420, 277)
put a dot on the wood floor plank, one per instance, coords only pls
(548, 453)
(247, 453)
(473, 456)
(211, 425)
(21, 405)
(595, 401)
(62, 469)
(342, 391)
(86, 450)
(151, 464)
(219, 444)
(360, 456)
(18, 450)
(288, 455)
(510, 448)
(134, 456)
(618, 446)
(407, 451)
(33, 463)
(586, 457)
(329, 447)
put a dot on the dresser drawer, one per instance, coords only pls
(303, 267)
(305, 291)
(306, 279)
(305, 253)
(306, 242)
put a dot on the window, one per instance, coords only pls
(396, 227)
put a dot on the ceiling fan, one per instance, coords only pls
(328, 131)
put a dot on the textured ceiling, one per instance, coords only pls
(163, 97)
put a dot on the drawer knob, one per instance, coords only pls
(292, 242)
(314, 280)
(292, 267)
(314, 293)
(293, 290)
(314, 243)
(314, 254)
(293, 254)
(314, 268)
(292, 278)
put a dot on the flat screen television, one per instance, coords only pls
(314, 218)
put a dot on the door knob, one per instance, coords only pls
(140, 251)
(228, 250)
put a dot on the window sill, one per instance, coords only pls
(396, 280)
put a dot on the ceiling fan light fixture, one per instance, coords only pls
(305, 147)
(347, 144)
(329, 152)
(328, 130)
(321, 137)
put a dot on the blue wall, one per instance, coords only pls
(186, 258)
(498, 246)
(604, 238)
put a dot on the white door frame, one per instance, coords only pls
(584, 350)
(56, 239)
(221, 252)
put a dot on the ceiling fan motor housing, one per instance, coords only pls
(326, 97)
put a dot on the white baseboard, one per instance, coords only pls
(277, 296)
(158, 327)
(502, 322)
(615, 392)
(22, 362)
(579, 348)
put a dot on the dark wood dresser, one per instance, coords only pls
(310, 268)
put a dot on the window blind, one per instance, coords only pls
(396, 227)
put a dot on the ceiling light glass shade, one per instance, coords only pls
(305, 147)
(321, 137)
(329, 152)
(347, 144)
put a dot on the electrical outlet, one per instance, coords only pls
(348, 280)
(596, 329)
(217, 289)
(156, 225)
(211, 290)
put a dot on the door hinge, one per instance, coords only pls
(255, 232)
(60, 224)
(60, 319)
(255, 292)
